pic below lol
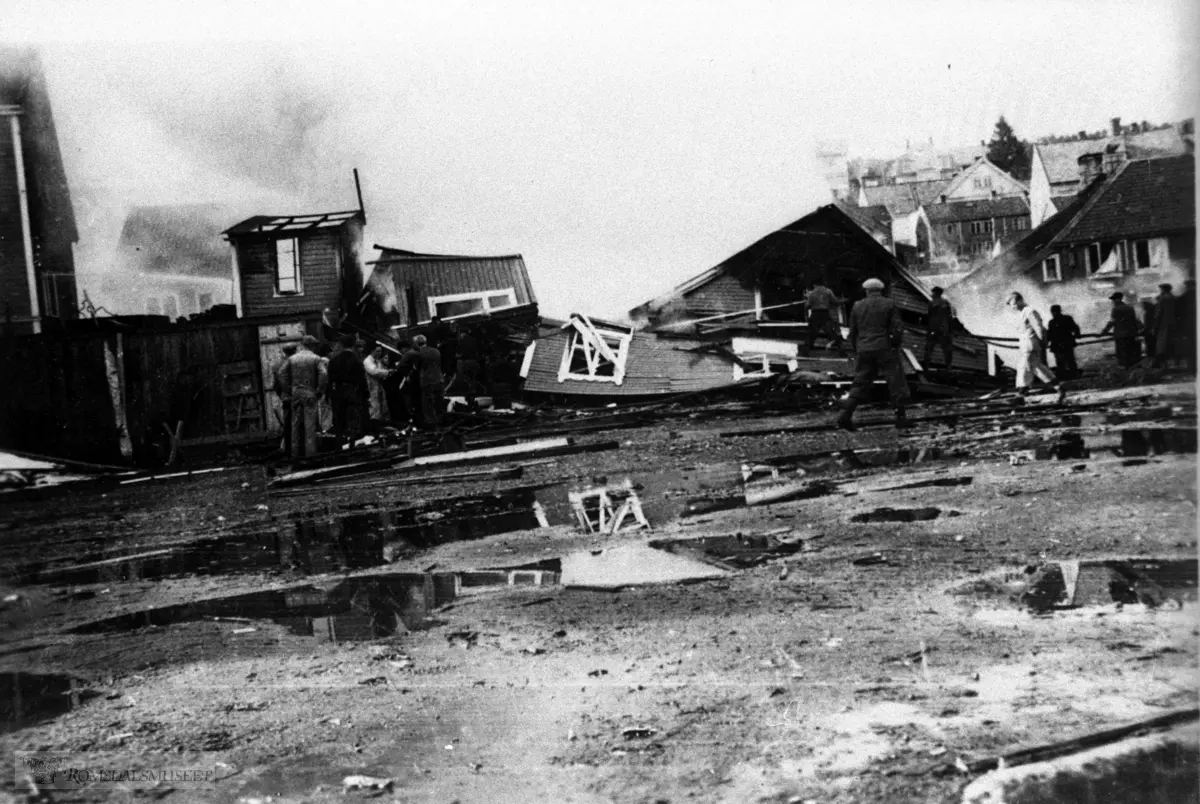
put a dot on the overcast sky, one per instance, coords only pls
(620, 147)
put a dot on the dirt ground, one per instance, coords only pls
(858, 667)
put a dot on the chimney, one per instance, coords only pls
(1116, 126)
(1082, 134)
(1090, 168)
(995, 194)
(944, 197)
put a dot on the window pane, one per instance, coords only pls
(449, 309)
(286, 269)
(1143, 253)
(499, 302)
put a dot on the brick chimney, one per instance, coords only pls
(1116, 126)
(1090, 167)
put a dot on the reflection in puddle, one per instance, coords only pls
(353, 609)
(1069, 584)
(735, 551)
(1151, 441)
(27, 698)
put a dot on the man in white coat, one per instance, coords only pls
(377, 372)
(1031, 335)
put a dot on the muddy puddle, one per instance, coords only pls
(28, 698)
(366, 537)
(352, 609)
(1061, 585)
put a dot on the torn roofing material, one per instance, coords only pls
(293, 224)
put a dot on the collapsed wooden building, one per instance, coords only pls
(754, 300)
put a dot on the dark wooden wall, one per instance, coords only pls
(56, 398)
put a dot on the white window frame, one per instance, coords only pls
(581, 333)
(764, 353)
(295, 241)
(1056, 274)
(482, 295)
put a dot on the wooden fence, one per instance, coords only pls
(105, 396)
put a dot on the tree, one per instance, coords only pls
(1009, 153)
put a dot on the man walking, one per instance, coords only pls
(1062, 332)
(427, 362)
(938, 328)
(875, 333)
(1124, 327)
(304, 377)
(1031, 337)
(347, 390)
(821, 302)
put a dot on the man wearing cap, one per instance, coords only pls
(875, 333)
(347, 389)
(1124, 327)
(304, 377)
(1166, 328)
(1061, 334)
(1031, 335)
(820, 302)
(937, 328)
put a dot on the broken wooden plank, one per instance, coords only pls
(1042, 753)
(533, 449)
(67, 463)
(311, 475)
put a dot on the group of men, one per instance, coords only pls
(388, 385)
(1167, 328)
(821, 302)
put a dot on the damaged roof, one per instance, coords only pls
(902, 199)
(1143, 198)
(954, 211)
(873, 219)
(293, 224)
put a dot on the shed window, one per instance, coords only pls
(456, 305)
(1052, 269)
(594, 353)
(287, 266)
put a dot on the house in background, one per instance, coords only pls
(170, 260)
(37, 221)
(1057, 172)
(411, 288)
(1127, 231)
(902, 202)
(296, 264)
(955, 236)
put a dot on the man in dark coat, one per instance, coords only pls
(285, 395)
(427, 361)
(347, 390)
(1124, 327)
(1061, 334)
(937, 328)
(1186, 314)
(875, 334)
(1165, 326)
